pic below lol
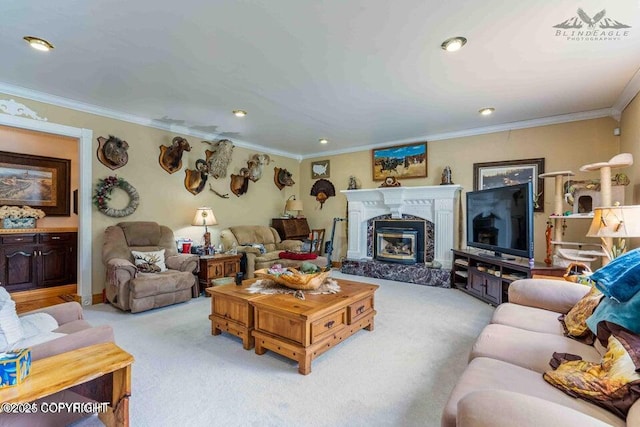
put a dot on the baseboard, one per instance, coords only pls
(38, 298)
(97, 299)
(34, 294)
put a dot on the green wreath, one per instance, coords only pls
(103, 195)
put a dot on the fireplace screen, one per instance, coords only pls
(396, 245)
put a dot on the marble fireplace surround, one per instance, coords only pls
(435, 203)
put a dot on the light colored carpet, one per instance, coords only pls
(400, 374)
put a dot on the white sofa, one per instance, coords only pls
(503, 383)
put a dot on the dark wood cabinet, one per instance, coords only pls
(291, 228)
(216, 266)
(37, 260)
(488, 278)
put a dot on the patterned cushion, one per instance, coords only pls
(613, 383)
(149, 262)
(574, 322)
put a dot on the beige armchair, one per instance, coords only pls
(127, 287)
(246, 235)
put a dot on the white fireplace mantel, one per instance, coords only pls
(436, 203)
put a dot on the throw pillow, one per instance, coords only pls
(10, 327)
(37, 323)
(620, 279)
(574, 322)
(622, 313)
(612, 384)
(149, 262)
(297, 255)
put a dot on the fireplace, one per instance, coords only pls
(436, 205)
(396, 245)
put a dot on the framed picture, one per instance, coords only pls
(36, 181)
(320, 169)
(511, 172)
(401, 162)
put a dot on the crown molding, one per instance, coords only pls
(628, 93)
(71, 104)
(545, 121)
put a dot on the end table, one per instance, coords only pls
(216, 266)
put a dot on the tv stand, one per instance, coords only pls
(502, 257)
(488, 277)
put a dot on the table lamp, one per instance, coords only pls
(615, 221)
(205, 216)
(293, 205)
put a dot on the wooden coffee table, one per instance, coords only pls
(302, 330)
(231, 312)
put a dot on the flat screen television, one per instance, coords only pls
(501, 220)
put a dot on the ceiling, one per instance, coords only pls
(361, 73)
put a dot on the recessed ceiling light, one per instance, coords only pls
(487, 111)
(38, 43)
(239, 113)
(453, 44)
(323, 141)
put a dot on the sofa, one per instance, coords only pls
(503, 383)
(47, 332)
(262, 246)
(144, 269)
(68, 331)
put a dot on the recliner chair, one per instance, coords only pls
(129, 288)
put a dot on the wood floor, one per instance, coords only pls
(39, 298)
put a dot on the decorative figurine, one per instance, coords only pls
(446, 176)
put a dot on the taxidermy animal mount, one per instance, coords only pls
(112, 152)
(171, 157)
(256, 165)
(240, 183)
(194, 181)
(282, 178)
(218, 159)
(215, 164)
(323, 189)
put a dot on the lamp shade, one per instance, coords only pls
(293, 205)
(615, 221)
(204, 216)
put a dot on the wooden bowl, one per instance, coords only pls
(300, 281)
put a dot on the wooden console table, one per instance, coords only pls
(75, 368)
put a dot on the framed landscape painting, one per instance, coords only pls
(511, 172)
(404, 161)
(36, 181)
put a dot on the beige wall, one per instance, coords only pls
(630, 143)
(563, 146)
(43, 144)
(163, 197)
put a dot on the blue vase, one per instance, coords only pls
(19, 223)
